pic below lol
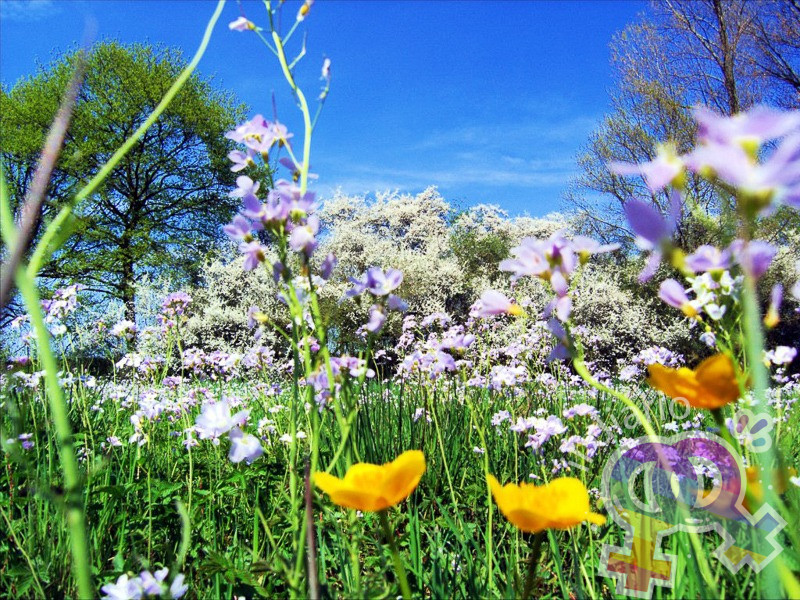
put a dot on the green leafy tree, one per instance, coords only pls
(161, 209)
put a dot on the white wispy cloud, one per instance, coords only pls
(372, 178)
(533, 159)
(549, 129)
(28, 10)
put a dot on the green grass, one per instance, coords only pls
(240, 518)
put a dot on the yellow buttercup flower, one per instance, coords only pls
(711, 385)
(755, 489)
(367, 487)
(560, 504)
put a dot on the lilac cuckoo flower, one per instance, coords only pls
(758, 125)
(238, 229)
(754, 257)
(396, 303)
(376, 319)
(253, 254)
(252, 132)
(709, 259)
(376, 282)
(653, 230)
(540, 258)
(664, 169)
(492, 303)
(672, 292)
(328, 265)
(245, 187)
(241, 24)
(778, 177)
(584, 247)
(244, 447)
(280, 133)
(241, 160)
(302, 238)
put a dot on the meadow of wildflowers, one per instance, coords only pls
(468, 459)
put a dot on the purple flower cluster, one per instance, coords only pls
(288, 210)
(379, 285)
(145, 585)
(143, 366)
(553, 260)
(214, 365)
(175, 304)
(715, 291)
(659, 355)
(492, 303)
(727, 153)
(343, 369)
(259, 357)
(432, 363)
(24, 439)
(543, 429)
(63, 303)
(507, 376)
(216, 419)
(258, 136)
(124, 329)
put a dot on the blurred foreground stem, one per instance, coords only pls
(73, 494)
(398, 563)
(775, 572)
(536, 547)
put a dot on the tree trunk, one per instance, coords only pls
(126, 284)
(128, 292)
(727, 59)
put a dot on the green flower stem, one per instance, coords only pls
(533, 561)
(399, 569)
(60, 414)
(478, 423)
(432, 406)
(719, 419)
(580, 368)
(301, 99)
(43, 249)
(754, 349)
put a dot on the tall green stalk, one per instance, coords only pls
(775, 573)
(26, 284)
(73, 492)
(399, 569)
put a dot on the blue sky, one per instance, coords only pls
(490, 101)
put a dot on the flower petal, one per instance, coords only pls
(403, 475)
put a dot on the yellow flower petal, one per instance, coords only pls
(369, 487)
(717, 376)
(596, 518)
(560, 504)
(712, 385)
(363, 500)
(403, 475)
(526, 520)
(327, 482)
(365, 475)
